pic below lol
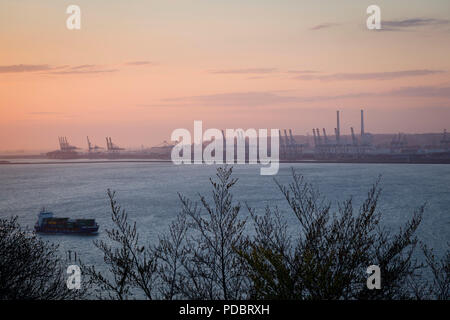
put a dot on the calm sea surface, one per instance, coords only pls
(148, 191)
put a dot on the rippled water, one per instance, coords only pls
(148, 191)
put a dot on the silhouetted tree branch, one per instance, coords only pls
(206, 255)
(331, 251)
(131, 265)
(30, 268)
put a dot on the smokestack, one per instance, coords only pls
(362, 122)
(338, 127)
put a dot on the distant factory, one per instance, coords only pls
(364, 147)
(329, 148)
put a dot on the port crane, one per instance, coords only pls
(111, 146)
(92, 148)
(65, 146)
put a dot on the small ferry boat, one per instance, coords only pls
(48, 224)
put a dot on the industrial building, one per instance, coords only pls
(362, 147)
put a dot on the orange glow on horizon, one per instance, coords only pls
(137, 72)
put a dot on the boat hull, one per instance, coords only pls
(82, 231)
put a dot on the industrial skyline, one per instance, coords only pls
(365, 147)
(139, 71)
(288, 142)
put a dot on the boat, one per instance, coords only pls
(48, 224)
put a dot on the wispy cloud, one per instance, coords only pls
(17, 68)
(84, 69)
(138, 63)
(421, 91)
(401, 25)
(245, 71)
(51, 115)
(56, 70)
(302, 71)
(413, 91)
(234, 99)
(275, 98)
(65, 69)
(324, 26)
(94, 71)
(370, 75)
(84, 66)
(42, 113)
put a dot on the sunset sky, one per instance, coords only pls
(139, 69)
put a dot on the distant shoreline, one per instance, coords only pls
(445, 161)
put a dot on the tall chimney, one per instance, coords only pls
(362, 123)
(338, 127)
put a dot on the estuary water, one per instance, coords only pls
(148, 192)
